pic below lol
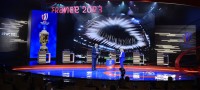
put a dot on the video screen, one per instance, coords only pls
(120, 25)
(37, 27)
(13, 32)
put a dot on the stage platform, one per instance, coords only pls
(135, 73)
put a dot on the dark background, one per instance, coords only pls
(20, 9)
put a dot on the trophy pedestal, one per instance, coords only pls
(67, 57)
(44, 57)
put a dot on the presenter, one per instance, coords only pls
(95, 55)
(122, 58)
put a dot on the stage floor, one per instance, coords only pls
(136, 73)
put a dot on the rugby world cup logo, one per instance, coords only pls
(44, 18)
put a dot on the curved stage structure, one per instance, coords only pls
(178, 59)
(136, 73)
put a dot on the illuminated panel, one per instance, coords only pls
(11, 33)
(136, 58)
(160, 59)
(36, 28)
(174, 38)
(170, 34)
(94, 28)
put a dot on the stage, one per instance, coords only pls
(135, 73)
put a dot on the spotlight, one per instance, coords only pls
(79, 29)
(131, 2)
(122, 14)
(93, 2)
(135, 21)
(122, 2)
(74, 2)
(81, 26)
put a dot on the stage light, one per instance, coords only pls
(122, 14)
(79, 29)
(135, 21)
(152, 7)
(93, 2)
(74, 2)
(87, 4)
(108, 3)
(122, 2)
(130, 12)
(81, 26)
(130, 2)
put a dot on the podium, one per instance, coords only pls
(44, 57)
(67, 57)
(110, 64)
(160, 59)
(89, 56)
(136, 58)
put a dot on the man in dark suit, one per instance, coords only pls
(95, 54)
(122, 58)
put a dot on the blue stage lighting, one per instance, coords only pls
(81, 26)
(79, 29)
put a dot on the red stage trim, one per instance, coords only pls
(127, 67)
(178, 59)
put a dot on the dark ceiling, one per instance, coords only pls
(186, 2)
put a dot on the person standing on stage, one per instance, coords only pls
(122, 58)
(95, 55)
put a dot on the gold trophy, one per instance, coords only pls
(44, 35)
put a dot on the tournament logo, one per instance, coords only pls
(44, 19)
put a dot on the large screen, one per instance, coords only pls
(37, 27)
(119, 25)
(147, 28)
(13, 32)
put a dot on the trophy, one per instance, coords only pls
(44, 35)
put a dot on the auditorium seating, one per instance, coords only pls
(26, 81)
